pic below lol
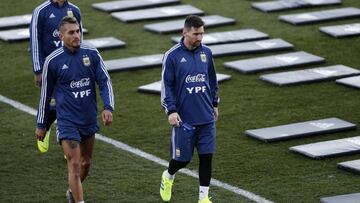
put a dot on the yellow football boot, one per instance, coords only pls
(166, 188)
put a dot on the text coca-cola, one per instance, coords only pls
(195, 78)
(81, 83)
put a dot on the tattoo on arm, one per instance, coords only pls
(73, 144)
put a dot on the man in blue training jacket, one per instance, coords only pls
(189, 95)
(70, 72)
(44, 39)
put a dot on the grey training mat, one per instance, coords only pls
(19, 34)
(229, 36)
(156, 13)
(350, 81)
(133, 63)
(15, 21)
(15, 35)
(329, 148)
(309, 75)
(177, 25)
(282, 5)
(155, 87)
(111, 6)
(301, 129)
(348, 198)
(342, 30)
(105, 43)
(352, 166)
(250, 47)
(319, 16)
(274, 62)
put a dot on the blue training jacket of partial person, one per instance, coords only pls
(73, 75)
(44, 30)
(189, 84)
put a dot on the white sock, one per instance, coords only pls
(82, 202)
(168, 175)
(203, 192)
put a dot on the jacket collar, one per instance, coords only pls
(57, 5)
(67, 50)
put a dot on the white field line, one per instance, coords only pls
(147, 156)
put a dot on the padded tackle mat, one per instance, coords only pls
(250, 47)
(352, 166)
(282, 5)
(350, 81)
(133, 63)
(329, 148)
(229, 36)
(309, 75)
(301, 129)
(19, 34)
(177, 25)
(342, 30)
(15, 21)
(348, 198)
(274, 62)
(156, 13)
(15, 35)
(155, 87)
(105, 42)
(111, 6)
(319, 16)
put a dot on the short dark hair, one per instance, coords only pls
(193, 21)
(67, 20)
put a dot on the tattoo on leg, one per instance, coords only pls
(73, 144)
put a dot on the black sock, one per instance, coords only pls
(175, 166)
(205, 169)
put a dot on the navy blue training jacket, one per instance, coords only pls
(44, 30)
(189, 84)
(72, 77)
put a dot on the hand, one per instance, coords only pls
(107, 117)
(216, 113)
(40, 134)
(38, 79)
(174, 119)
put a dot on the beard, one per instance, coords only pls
(72, 45)
(196, 43)
(76, 44)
